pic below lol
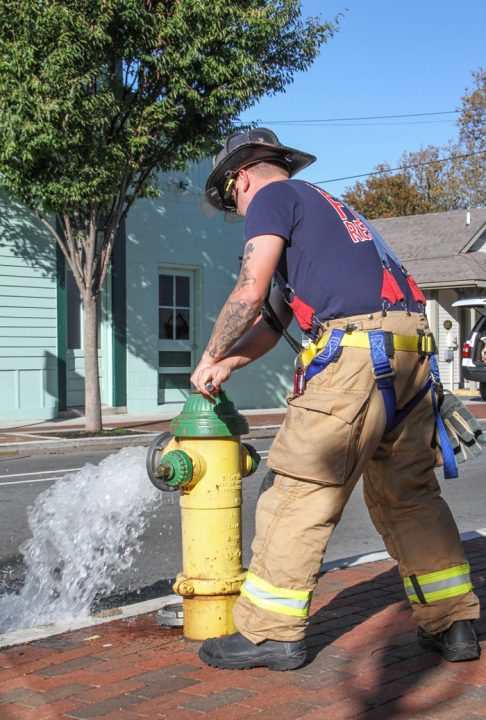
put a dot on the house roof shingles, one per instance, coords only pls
(433, 246)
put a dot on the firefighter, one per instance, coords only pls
(363, 404)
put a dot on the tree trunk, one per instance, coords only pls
(92, 397)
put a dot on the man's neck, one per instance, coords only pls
(259, 183)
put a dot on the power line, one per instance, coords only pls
(310, 123)
(403, 167)
(369, 117)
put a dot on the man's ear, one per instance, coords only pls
(245, 176)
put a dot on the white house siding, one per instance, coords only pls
(171, 232)
(432, 310)
(28, 320)
(438, 310)
(449, 370)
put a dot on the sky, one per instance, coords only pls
(390, 57)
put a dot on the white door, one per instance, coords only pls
(177, 334)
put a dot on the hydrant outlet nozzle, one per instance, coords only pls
(176, 469)
(250, 459)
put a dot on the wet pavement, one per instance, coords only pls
(364, 662)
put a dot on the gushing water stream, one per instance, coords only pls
(85, 529)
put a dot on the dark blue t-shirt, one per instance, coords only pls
(330, 260)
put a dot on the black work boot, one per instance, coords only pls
(235, 652)
(456, 644)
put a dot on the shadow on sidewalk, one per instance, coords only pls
(365, 636)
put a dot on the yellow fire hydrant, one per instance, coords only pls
(204, 458)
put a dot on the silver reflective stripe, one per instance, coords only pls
(439, 585)
(288, 602)
(445, 584)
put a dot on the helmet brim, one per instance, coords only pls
(294, 160)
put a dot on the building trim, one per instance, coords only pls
(119, 316)
(470, 243)
(61, 329)
(452, 284)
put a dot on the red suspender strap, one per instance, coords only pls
(390, 290)
(417, 293)
(304, 314)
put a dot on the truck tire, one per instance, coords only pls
(482, 390)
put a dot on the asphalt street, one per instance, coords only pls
(23, 479)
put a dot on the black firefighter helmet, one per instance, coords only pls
(242, 150)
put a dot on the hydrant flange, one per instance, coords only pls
(198, 586)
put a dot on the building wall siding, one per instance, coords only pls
(449, 370)
(28, 320)
(172, 231)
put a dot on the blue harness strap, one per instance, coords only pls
(450, 466)
(322, 360)
(408, 407)
(383, 373)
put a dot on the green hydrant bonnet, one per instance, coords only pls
(205, 418)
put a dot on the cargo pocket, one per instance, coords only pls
(318, 438)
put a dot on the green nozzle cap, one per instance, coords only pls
(208, 418)
(175, 469)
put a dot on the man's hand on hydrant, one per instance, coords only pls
(207, 378)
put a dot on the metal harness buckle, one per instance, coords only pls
(384, 375)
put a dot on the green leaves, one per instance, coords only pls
(97, 96)
(433, 179)
(93, 92)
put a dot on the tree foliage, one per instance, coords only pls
(433, 179)
(386, 194)
(96, 96)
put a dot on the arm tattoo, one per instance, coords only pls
(235, 318)
(245, 278)
(237, 315)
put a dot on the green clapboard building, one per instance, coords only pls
(172, 270)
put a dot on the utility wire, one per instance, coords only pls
(369, 117)
(403, 167)
(310, 123)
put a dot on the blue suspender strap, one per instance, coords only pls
(322, 360)
(450, 467)
(383, 373)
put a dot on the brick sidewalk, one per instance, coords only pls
(364, 662)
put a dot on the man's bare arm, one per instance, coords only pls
(242, 307)
(261, 337)
(239, 313)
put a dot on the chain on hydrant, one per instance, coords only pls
(204, 458)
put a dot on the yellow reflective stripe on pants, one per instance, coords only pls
(276, 599)
(439, 585)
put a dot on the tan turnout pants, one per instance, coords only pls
(331, 436)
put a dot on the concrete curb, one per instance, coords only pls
(61, 447)
(65, 446)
